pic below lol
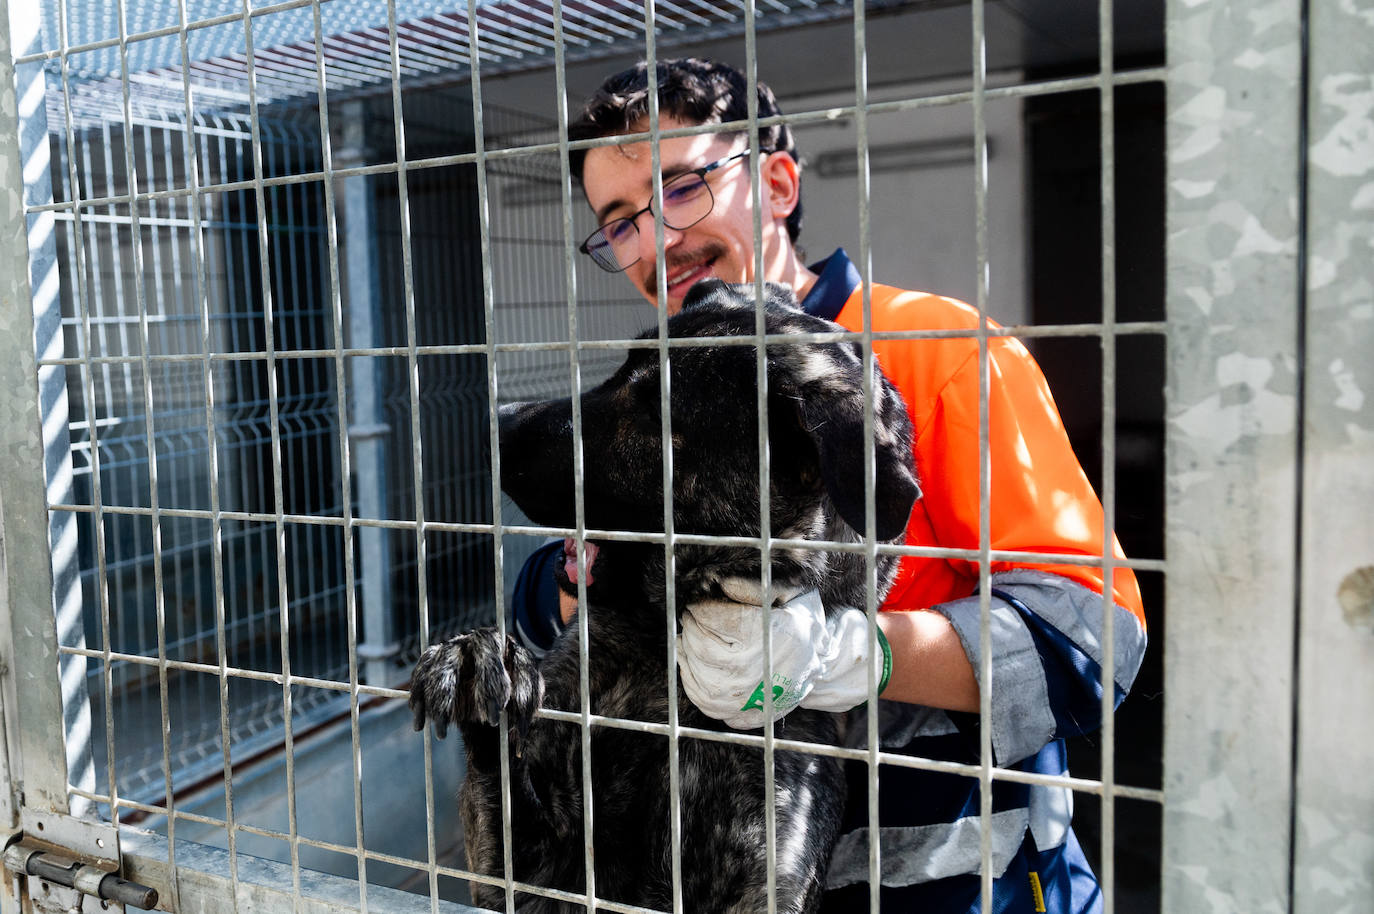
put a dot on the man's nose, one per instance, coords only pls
(645, 224)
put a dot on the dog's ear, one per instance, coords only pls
(826, 381)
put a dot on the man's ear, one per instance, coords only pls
(781, 177)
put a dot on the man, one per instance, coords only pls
(1046, 617)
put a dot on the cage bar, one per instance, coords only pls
(1107, 494)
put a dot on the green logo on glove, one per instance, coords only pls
(785, 696)
(755, 701)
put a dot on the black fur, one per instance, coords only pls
(816, 448)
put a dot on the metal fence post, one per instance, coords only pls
(52, 392)
(28, 633)
(368, 429)
(1333, 857)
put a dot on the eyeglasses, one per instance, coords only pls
(687, 199)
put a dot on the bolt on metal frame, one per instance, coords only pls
(209, 354)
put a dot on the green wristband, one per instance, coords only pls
(887, 659)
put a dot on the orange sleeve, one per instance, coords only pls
(1041, 500)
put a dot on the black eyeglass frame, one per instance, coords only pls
(633, 218)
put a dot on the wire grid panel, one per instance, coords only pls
(218, 345)
(110, 433)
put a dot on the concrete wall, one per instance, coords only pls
(921, 217)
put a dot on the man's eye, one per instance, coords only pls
(682, 191)
(619, 230)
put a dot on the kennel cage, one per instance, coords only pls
(247, 539)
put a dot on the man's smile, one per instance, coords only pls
(684, 279)
(686, 269)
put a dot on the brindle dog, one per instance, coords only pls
(816, 470)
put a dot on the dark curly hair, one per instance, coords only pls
(690, 89)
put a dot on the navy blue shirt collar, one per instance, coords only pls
(837, 278)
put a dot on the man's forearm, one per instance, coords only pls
(929, 666)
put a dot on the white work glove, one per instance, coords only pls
(818, 663)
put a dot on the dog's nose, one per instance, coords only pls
(533, 428)
(705, 290)
(508, 416)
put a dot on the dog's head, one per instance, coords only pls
(816, 447)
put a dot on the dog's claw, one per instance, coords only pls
(470, 678)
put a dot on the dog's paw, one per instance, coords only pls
(470, 678)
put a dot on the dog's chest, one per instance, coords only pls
(626, 674)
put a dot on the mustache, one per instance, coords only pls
(676, 259)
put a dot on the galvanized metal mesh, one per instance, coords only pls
(285, 326)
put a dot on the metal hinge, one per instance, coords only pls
(72, 865)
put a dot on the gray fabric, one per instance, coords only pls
(1051, 813)
(527, 642)
(898, 724)
(922, 853)
(1077, 612)
(1022, 722)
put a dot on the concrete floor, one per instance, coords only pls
(391, 795)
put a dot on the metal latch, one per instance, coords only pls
(69, 860)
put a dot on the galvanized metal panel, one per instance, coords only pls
(28, 635)
(206, 886)
(1232, 298)
(44, 271)
(1334, 796)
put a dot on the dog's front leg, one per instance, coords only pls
(468, 681)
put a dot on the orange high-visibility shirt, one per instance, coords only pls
(1041, 500)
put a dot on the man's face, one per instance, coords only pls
(618, 181)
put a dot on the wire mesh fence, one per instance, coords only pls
(306, 416)
(296, 244)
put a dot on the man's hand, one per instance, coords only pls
(817, 663)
